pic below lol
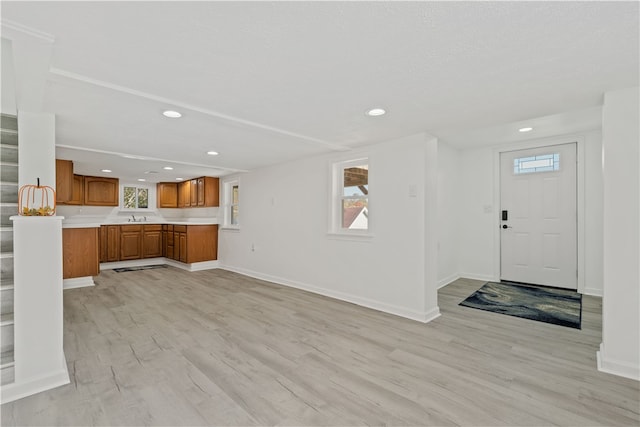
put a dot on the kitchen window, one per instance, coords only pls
(135, 198)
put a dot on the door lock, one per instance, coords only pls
(505, 226)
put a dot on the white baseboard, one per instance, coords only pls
(483, 277)
(19, 389)
(420, 316)
(616, 367)
(78, 282)
(444, 282)
(595, 292)
(196, 266)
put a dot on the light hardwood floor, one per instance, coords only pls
(166, 347)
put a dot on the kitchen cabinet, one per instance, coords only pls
(80, 252)
(152, 241)
(198, 192)
(201, 242)
(167, 241)
(184, 194)
(167, 194)
(184, 243)
(77, 193)
(130, 242)
(193, 201)
(208, 191)
(180, 243)
(109, 243)
(100, 191)
(64, 180)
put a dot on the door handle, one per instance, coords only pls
(505, 226)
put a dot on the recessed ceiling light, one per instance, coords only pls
(106, 170)
(179, 179)
(141, 179)
(376, 112)
(212, 153)
(525, 129)
(168, 168)
(171, 114)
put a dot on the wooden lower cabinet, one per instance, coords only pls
(152, 241)
(130, 242)
(201, 243)
(183, 243)
(109, 243)
(80, 252)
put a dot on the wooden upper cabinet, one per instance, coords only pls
(100, 191)
(167, 194)
(77, 197)
(208, 192)
(64, 180)
(80, 252)
(184, 194)
(194, 193)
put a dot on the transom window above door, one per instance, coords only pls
(533, 164)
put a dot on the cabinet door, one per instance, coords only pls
(193, 202)
(183, 247)
(184, 194)
(100, 191)
(176, 246)
(113, 243)
(80, 252)
(152, 241)
(103, 243)
(200, 192)
(210, 192)
(202, 243)
(64, 180)
(77, 192)
(167, 195)
(130, 242)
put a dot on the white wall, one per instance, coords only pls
(448, 213)
(478, 245)
(475, 244)
(620, 349)
(8, 91)
(284, 216)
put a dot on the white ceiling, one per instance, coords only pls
(267, 82)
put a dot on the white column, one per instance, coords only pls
(620, 349)
(39, 357)
(36, 148)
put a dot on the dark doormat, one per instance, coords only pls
(556, 306)
(144, 267)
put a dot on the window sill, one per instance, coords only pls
(352, 237)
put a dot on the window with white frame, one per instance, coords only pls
(232, 204)
(135, 197)
(351, 196)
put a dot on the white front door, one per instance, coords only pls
(538, 236)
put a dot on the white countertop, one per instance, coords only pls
(94, 223)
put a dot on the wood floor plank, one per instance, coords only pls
(167, 347)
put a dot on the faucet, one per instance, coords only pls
(134, 218)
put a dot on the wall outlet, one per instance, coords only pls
(253, 247)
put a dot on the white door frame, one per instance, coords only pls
(580, 193)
